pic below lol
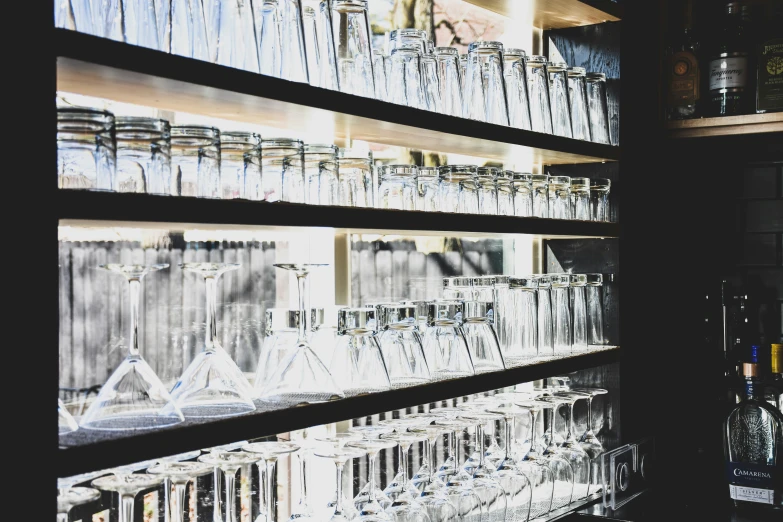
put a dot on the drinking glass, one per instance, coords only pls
(558, 98)
(589, 442)
(302, 512)
(599, 198)
(139, 21)
(379, 69)
(268, 453)
(405, 506)
(235, 44)
(240, 166)
(281, 41)
(133, 398)
(69, 498)
(398, 187)
(178, 475)
(492, 495)
(597, 107)
(65, 421)
(431, 82)
(505, 184)
(502, 298)
(515, 76)
(463, 72)
(522, 191)
(540, 187)
(324, 332)
(352, 36)
(445, 347)
(371, 431)
(127, 487)
(595, 309)
(546, 345)
(580, 199)
(281, 332)
(559, 195)
(302, 378)
(228, 462)
(447, 418)
(86, 154)
(561, 467)
(408, 36)
(577, 96)
(579, 311)
(340, 456)
(447, 59)
(283, 170)
(319, 43)
(427, 194)
(480, 336)
(486, 183)
(189, 30)
(538, 94)
(354, 178)
(406, 85)
(357, 363)
(458, 288)
(143, 155)
(371, 510)
(320, 171)
(535, 466)
(195, 161)
(434, 496)
(572, 451)
(66, 12)
(401, 345)
(458, 190)
(485, 93)
(561, 313)
(524, 310)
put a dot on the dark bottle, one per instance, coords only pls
(769, 60)
(773, 392)
(730, 80)
(684, 80)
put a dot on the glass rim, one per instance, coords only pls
(141, 124)
(353, 154)
(556, 66)
(576, 71)
(408, 31)
(428, 172)
(195, 131)
(600, 183)
(537, 59)
(528, 282)
(407, 49)
(485, 172)
(281, 143)
(488, 45)
(594, 279)
(398, 170)
(595, 76)
(320, 148)
(578, 279)
(559, 180)
(84, 111)
(445, 50)
(539, 177)
(522, 176)
(515, 52)
(350, 3)
(240, 138)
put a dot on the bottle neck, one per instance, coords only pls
(752, 388)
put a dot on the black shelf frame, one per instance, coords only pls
(94, 450)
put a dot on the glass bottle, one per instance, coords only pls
(523, 194)
(143, 155)
(769, 62)
(398, 187)
(283, 168)
(486, 181)
(240, 166)
(730, 82)
(85, 149)
(684, 74)
(505, 193)
(427, 197)
(321, 174)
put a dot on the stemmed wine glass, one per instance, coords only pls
(69, 498)
(535, 466)
(127, 487)
(338, 442)
(302, 512)
(371, 510)
(179, 474)
(459, 483)
(562, 470)
(492, 495)
(572, 451)
(371, 432)
(302, 376)
(434, 496)
(268, 453)
(401, 492)
(229, 463)
(588, 441)
(340, 456)
(66, 422)
(133, 397)
(212, 385)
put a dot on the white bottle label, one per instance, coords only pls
(728, 73)
(763, 496)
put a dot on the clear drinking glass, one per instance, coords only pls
(283, 172)
(571, 450)
(558, 98)
(69, 498)
(401, 345)
(559, 195)
(143, 155)
(486, 183)
(379, 68)
(408, 36)
(546, 345)
(371, 510)
(127, 487)
(562, 471)
(431, 82)
(228, 462)
(85, 149)
(485, 93)
(320, 167)
(353, 40)
(589, 442)
(463, 72)
(580, 199)
(579, 311)
(427, 183)
(522, 187)
(492, 495)
(445, 347)
(139, 21)
(523, 343)
(406, 85)
(324, 332)
(177, 477)
(340, 456)
(65, 421)
(240, 166)
(434, 497)
(458, 190)
(282, 326)
(538, 94)
(321, 62)
(515, 75)
(535, 466)
(235, 44)
(599, 198)
(503, 321)
(505, 184)
(354, 177)
(595, 309)
(195, 161)
(189, 30)
(481, 338)
(561, 313)
(281, 41)
(449, 80)
(357, 363)
(577, 96)
(597, 107)
(404, 506)
(268, 453)
(540, 187)
(398, 187)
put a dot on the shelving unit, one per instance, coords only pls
(555, 14)
(726, 125)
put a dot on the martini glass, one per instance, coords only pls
(69, 498)
(562, 470)
(133, 398)
(572, 451)
(371, 509)
(302, 377)
(268, 453)
(65, 420)
(179, 474)
(535, 466)
(127, 487)
(371, 432)
(339, 456)
(229, 463)
(588, 441)
(212, 385)
(434, 495)
(405, 506)
(489, 490)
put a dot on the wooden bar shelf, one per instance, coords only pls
(726, 125)
(554, 14)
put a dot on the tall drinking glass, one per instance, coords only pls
(354, 178)
(321, 61)
(449, 80)
(427, 183)
(240, 166)
(143, 155)
(379, 68)
(486, 182)
(485, 92)
(235, 43)
(357, 363)
(430, 82)
(353, 43)
(505, 185)
(281, 39)
(579, 311)
(559, 195)
(597, 107)
(408, 36)
(86, 154)
(515, 75)
(538, 94)
(522, 186)
(398, 187)
(599, 198)
(524, 334)
(320, 168)
(458, 189)
(406, 83)
(577, 95)
(558, 97)
(445, 346)
(561, 313)
(195, 161)
(580, 199)
(189, 30)
(283, 171)
(546, 345)
(595, 309)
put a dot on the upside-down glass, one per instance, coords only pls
(398, 187)
(588, 441)
(458, 288)
(143, 155)
(406, 85)
(427, 184)
(580, 199)
(178, 474)
(352, 37)
(136, 20)
(545, 325)
(540, 190)
(319, 43)
(505, 193)
(282, 325)
(228, 463)
(463, 72)
(409, 36)
(579, 311)
(324, 328)
(240, 166)
(189, 30)
(523, 343)
(404, 507)
(538, 94)
(503, 320)
(85, 149)
(65, 421)
(401, 345)
(481, 338)
(559, 195)
(354, 177)
(486, 183)
(484, 484)
(449, 80)
(127, 487)
(357, 363)
(371, 510)
(485, 94)
(515, 76)
(283, 172)
(599, 198)
(534, 465)
(572, 451)
(69, 498)
(431, 82)
(561, 313)
(522, 186)
(268, 453)
(195, 161)
(379, 69)
(445, 347)
(320, 169)
(458, 191)
(235, 44)
(595, 309)
(558, 98)
(281, 41)
(340, 456)
(577, 96)
(597, 107)
(434, 497)
(562, 470)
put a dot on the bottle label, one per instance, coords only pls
(728, 72)
(683, 79)
(752, 482)
(770, 77)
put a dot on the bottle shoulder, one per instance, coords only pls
(748, 407)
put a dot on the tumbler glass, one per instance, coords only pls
(597, 107)
(579, 311)
(408, 36)
(352, 36)
(445, 347)
(505, 193)
(522, 185)
(427, 197)
(354, 177)
(189, 30)
(449, 80)
(138, 20)
(321, 61)
(143, 155)
(538, 94)
(457, 288)
(545, 326)
(540, 186)
(599, 198)
(405, 84)
(580, 199)
(561, 313)
(235, 45)
(281, 39)
(558, 98)
(240, 166)
(577, 96)
(379, 60)
(283, 173)
(458, 191)
(559, 194)
(321, 174)
(195, 161)
(431, 83)
(357, 363)
(481, 337)
(398, 187)
(516, 88)
(401, 345)
(523, 343)
(595, 309)
(85, 149)
(503, 322)
(463, 72)
(487, 183)
(485, 93)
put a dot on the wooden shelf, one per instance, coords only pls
(726, 126)
(555, 14)
(87, 450)
(104, 68)
(84, 208)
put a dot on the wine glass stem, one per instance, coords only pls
(533, 439)
(570, 420)
(301, 280)
(552, 426)
(589, 417)
(134, 287)
(509, 435)
(217, 476)
(480, 443)
(177, 502)
(167, 487)
(371, 479)
(211, 311)
(338, 506)
(270, 488)
(303, 478)
(126, 507)
(404, 465)
(230, 478)
(431, 458)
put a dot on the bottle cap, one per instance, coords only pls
(777, 358)
(749, 370)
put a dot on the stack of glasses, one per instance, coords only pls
(327, 44)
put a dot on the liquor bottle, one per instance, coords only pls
(684, 73)
(774, 384)
(730, 81)
(753, 445)
(769, 60)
